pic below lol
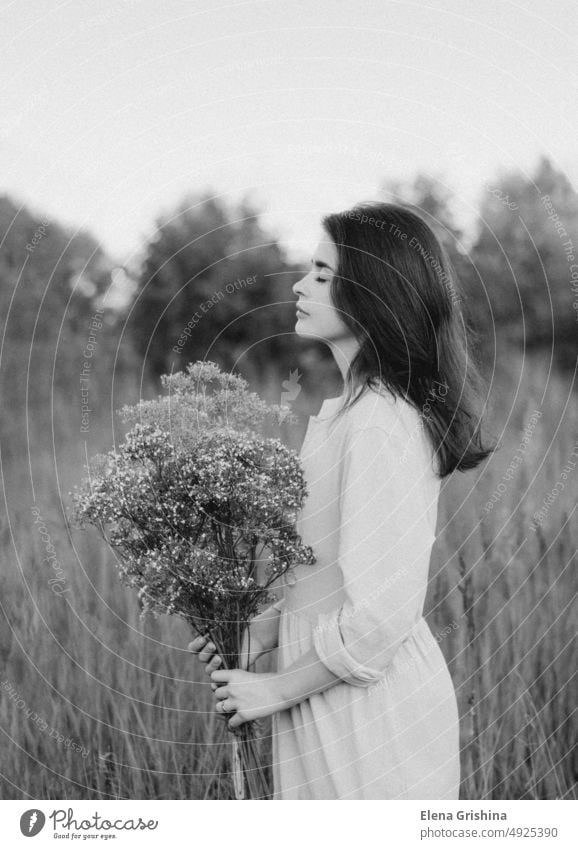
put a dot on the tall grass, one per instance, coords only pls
(511, 591)
(82, 665)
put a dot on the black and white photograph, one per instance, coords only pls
(288, 417)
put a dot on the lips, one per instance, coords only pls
(298, 309)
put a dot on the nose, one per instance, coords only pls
(298, 286)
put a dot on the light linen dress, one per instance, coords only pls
(389, 728)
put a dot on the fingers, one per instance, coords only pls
(224, 705)
(235, 721)
(197, 644)
(206, 652)
(213, 664)
(222, 675)
(200, 645)
(220, 712)
(224, 715)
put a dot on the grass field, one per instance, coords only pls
(96, 704)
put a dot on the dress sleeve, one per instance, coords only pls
(384, 549)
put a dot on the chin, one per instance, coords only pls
(303, 326)
(309, 334)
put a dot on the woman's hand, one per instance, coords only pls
(260, 637)
(207, 651)
(246, 695)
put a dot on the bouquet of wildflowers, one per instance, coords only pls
(191, 501)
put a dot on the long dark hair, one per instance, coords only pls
(398, 293)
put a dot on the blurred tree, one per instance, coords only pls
(522, 256)
(433, 200)
(51, 281)
(47, 273)
(216, 275)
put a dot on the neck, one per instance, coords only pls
(344, 351)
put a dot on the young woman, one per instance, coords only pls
(362, 701)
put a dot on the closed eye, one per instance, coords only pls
(319, 279)
(321, 266)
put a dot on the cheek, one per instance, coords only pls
(325, 312)
(334, 318)
(325, 302)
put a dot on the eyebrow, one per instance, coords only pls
(319, 264)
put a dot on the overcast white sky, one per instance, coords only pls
(112, 111)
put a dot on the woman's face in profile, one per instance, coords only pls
(319, 317)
